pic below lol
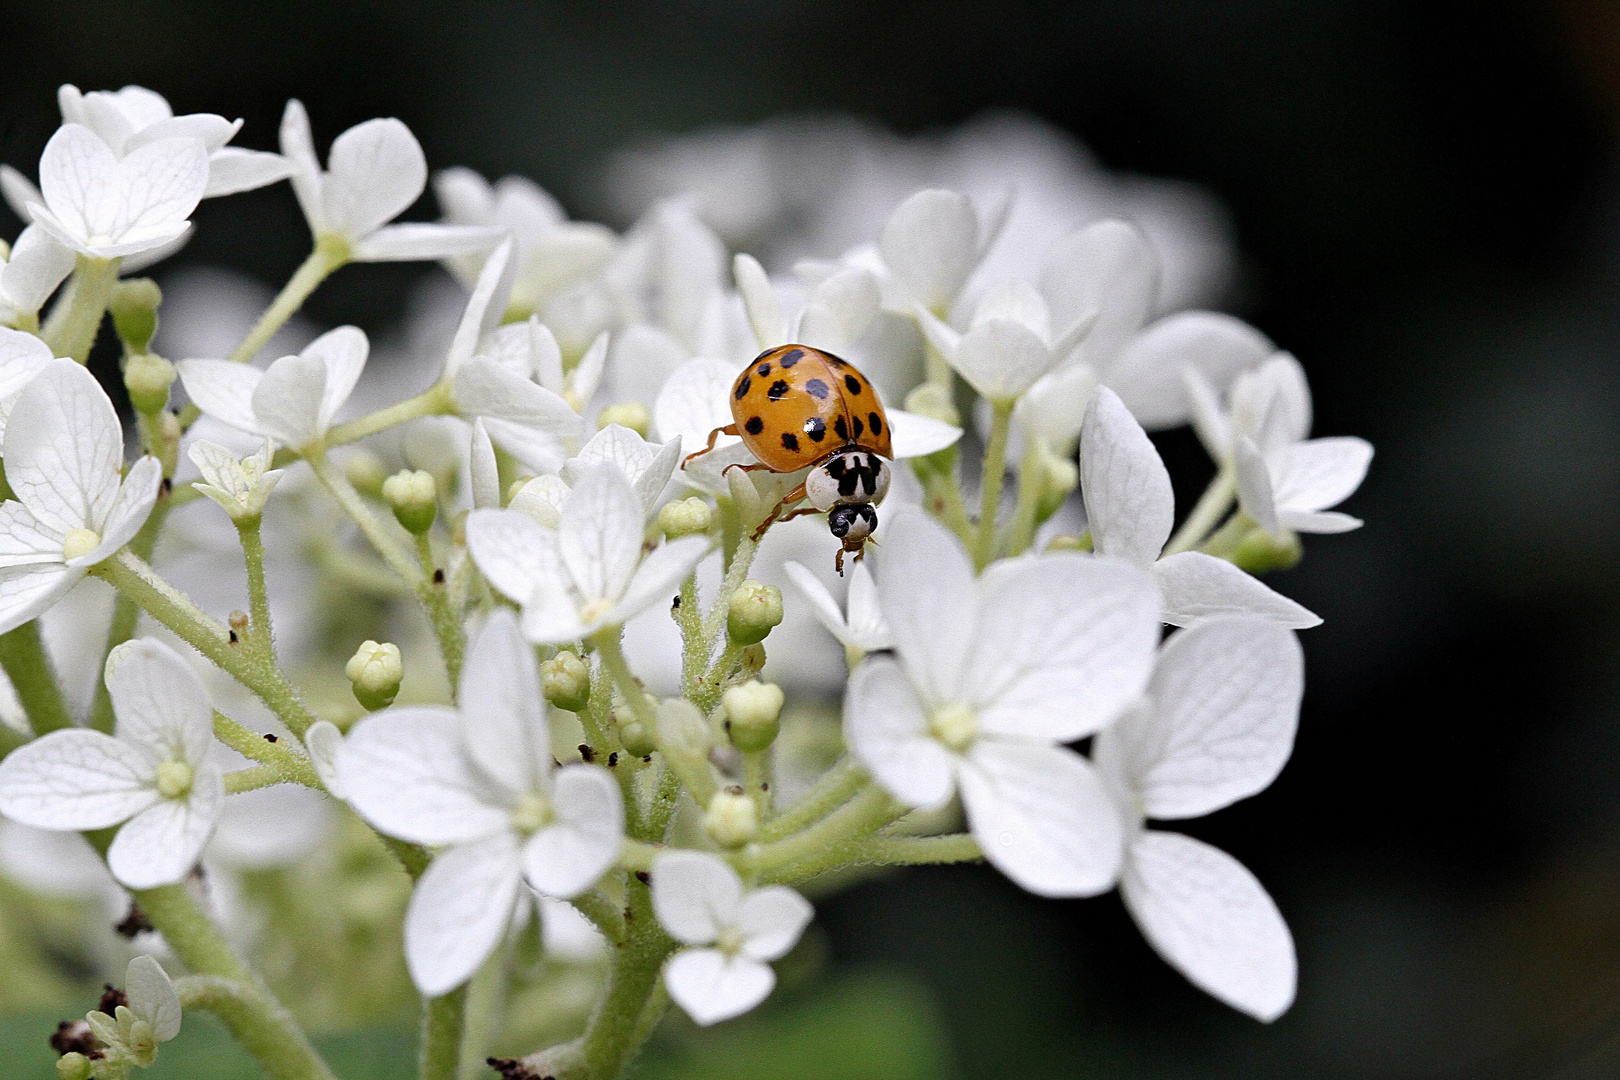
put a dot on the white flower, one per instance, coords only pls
(152, 997)
(481, 783)
(63, 453)
(930, 245)
(837, 312)
(992, 676)
(240, 486)
(589, 573)
(1216, 725)
(154, 773)
(22, 356)
(1108, 268)
(375, 170)
(731, 934)
(107, 207)
(648, 466)
(30, 272)
(863, 628)
(294, 401)
(1130, 509)
(1010, 344)
(693, 402)
(552, 252)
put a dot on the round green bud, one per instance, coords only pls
(516, 486)
(73, 1066)
(375, 669)
(637, 739)
(134, 304)
(934, 401)
(366, 472)
(754, 609)
(415, 498)
(565, 679)
(685, 517)
(1259, 552)
(731, 819)
(751, 712)
(1062, 477)
(148, 378)
(1071, 543)
(632, 414)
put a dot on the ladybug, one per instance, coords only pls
(796, 408)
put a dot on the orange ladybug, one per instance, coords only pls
(796, 407)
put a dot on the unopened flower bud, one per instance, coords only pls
(751, 714)
(731, 819)
(366, 471)
(1259, 552)
(375, 669)
(637, 739)
(934, 401)
(566, 681)
(134, 304)
(73, 1066)
(631, 414)
(683, 736)
(1062, 477)
(685, 517)
(414, 497)
(753, 611)
(148, 378)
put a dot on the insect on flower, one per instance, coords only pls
(800, 408)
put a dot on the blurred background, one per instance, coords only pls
(1421, 201)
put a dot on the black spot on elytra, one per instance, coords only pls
(857, 422)
(763, 370)
(754, 426)
(815, 428)
(792, 358)
(790, 441)
(853, 383)
(817, 389)
(778, 390)
(875, 422)
(841, 429)
(743, 387)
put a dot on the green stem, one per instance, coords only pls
(87, 303)
(434, 401)
(830, 842)
(741, 561)
(690, 620)
(990, 481)
(757, 778)
(28, 666)
(252, 779)
(349, 499)
(665, 797)
(613, 661)
(619, 1025)
(1223, 542)
(1031, 486)
(604, 915)
(443, 1021)
(261, 1025)
(291, 766)
(1206, 514)
(136, 580)
(944, 495)
(434, 594)
(836, 786)
(916, 850)
(329, 254)
(258, 595)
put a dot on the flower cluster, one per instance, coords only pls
(583, 723)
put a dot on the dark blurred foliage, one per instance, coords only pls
(1425, 199)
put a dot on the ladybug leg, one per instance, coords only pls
(756, 467)
(787, 500)
(729, 429)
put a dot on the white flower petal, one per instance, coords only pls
(481, 315)
(712, 987)
(159, 701)
(568, 856)
(502, 707)
(374, 171)
(918, 436)
(74, 175)
(421, 242)
(232, 169)
(1320, 473)
(23, 540)
(931, 244)
(223, 390)
(404, 770)
(1197, 586)
(1109, 268)
(550, 616)
(160, 845)
(1319, 521)
(599, 536)
(1042, 817)
(840, 310)
(37, 266)
(695, 895)
(64, 448)
(887, 731)
(128, 512)
(26, 591)
(771, 920)
(1129, 504)
(1255, 493)
(512, 551)
(1001, 359)
(1211, 920)
(485, 473)
(926, 588)
(152, 997)
(459, 912)
(159, 186)
(1147, 372)
(343, 351)
(287, 401)
(759, 301)
(692, 403)
(485, 388)
(19, 192)
(75, 779)
(822, 605)
(322, 741)
(298, 147)
(659, 575)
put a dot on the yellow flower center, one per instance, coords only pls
(954, 726)
(531, 814)
(80, 542)
(730, 941)
(595, 610)
(174, 779)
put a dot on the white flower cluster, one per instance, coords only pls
(573, 472)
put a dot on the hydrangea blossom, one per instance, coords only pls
(991, 677)
(29, 274)
(1216, 725)
(862, 629)
(731, 934)
(155, 773)
(480, 782)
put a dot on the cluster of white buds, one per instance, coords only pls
(581, 533)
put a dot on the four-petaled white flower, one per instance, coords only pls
(130, 1034)
(1130, 508)
(1010, 343)
(294, 401)
(648, 466)
(731, 934)
(375, 170)
(993, 675)
(63, 453)
(863, 629)
(930, 246)
(1216, 725)
(241, 486)
(155, 773)
(29, 273)
(587, 574)
(107, 207)
(480, 782)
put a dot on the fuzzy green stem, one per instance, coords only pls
(93, 281)
(832, 790)
(136, 580)
(830, 842)
(252, 779)
(619, 1025)
(1206, 514)
(434, 401)
(443, 1021)
(613, 661)
(338, 486)
(757, 778)
(1223, 542)
(291, 766)
(741, 561)
(944, 496)
(990, 480)
(690, 620)
(23, 656)
(604, 915)
(434, 593)
(329, 254)
(1031, 486)
(916, 850)
(258, 596)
